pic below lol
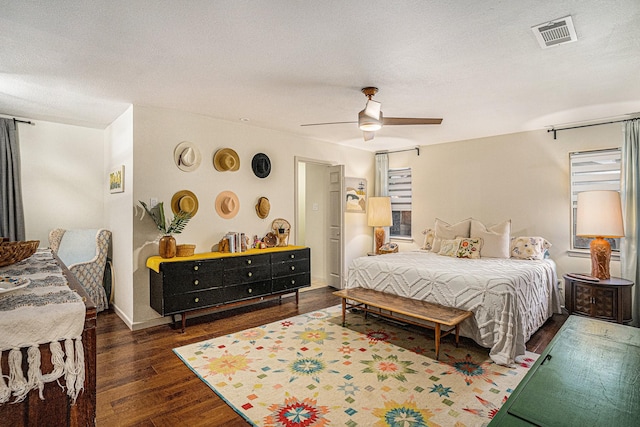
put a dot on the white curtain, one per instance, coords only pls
(382, 175)
(630, 188)
(11, 212)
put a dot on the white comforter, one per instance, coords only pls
(510, 298)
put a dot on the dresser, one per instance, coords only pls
(587, 376)
(608, 299)
(217, 279)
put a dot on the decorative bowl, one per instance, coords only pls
(12, 252)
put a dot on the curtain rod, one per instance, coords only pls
(554, 130)
(399, 151)
(29, 122)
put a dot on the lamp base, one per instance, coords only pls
(600, 258)
(379, 238)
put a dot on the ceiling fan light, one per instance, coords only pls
(369, 124)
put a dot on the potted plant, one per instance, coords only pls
(167, 244)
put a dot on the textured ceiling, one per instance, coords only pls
(285, 63)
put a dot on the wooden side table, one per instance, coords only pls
(608, 300)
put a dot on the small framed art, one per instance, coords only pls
(116, 180)
(356, 194)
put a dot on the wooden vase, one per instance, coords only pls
(167, 246)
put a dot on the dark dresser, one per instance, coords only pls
(608, 299)
(218, 279)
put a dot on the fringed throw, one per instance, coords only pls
(45, 312)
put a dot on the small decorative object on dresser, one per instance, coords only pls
(608, 299)
(167, 243)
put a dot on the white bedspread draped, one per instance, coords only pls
(510, 298)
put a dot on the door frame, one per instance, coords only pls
(296, 175)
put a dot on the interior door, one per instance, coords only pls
(335, 248)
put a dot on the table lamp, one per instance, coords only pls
(599, 215)
(378, 216)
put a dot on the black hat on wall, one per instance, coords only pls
(261, 165)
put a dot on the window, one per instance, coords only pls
(400, 193)
(593, 170)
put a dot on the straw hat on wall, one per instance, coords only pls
(263, 207)
(225, 160)
(187, 156)
(185, 201)
(227, 204)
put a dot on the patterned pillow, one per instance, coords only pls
(529, 247)
(449, 247)
(469, 248)
(429, 235)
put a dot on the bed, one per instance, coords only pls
(510, 298)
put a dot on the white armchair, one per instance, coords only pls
(84, 252)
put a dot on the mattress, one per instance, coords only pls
(510, 298)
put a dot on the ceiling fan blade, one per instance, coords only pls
(372, 109)
(368, 136)
(329, 123)
(410, 121)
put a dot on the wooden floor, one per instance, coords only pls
(140, 382)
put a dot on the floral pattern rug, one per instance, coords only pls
(309, 371)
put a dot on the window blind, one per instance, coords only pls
(400, 189)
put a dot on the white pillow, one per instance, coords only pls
(429, 235)
(496, 239)
(446, 231)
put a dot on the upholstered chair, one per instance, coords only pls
(84, 252)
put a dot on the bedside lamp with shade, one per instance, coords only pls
(599, 215)
(379, 216)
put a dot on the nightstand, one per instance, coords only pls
(605, 300)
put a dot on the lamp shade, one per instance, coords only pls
(379, 212)
(599, 214)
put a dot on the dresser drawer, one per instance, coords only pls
(290, 267)
(246, 291)
(290, 255)
(193, 300)
(180, 277)
(282, 284)
(246, 261)
(246, 274)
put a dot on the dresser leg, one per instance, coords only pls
(184, 321)
(297, 297)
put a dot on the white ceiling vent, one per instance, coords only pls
(555, 32)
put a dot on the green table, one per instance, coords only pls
(589, 375)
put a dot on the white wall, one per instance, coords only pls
(523, 177)
(156, 134)
(63, 184)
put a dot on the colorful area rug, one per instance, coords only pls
(309, 371)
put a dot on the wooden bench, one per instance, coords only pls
(386, 305)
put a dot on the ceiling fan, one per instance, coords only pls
(370, 119)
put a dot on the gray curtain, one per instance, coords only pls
(11, 212)
(630, 187)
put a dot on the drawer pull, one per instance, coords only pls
(293, 282)
(195, 268)
(250, 290)
(293, 267)
(249, 274)
(196, 300)
(248, 261)
(292, 256)
(196, 282)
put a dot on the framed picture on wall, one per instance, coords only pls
(356, 194)
(116, 180)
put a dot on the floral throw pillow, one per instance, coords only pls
(529, 247)
(449, 247)
(469, 248)
(429, 235)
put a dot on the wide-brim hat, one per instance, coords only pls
(187, 156)
(184, 201)
(263, 207)
(227, 204)
(261, 165)
(226, 159)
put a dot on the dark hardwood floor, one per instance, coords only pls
(140, 381)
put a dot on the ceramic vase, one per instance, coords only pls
(167, 246)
